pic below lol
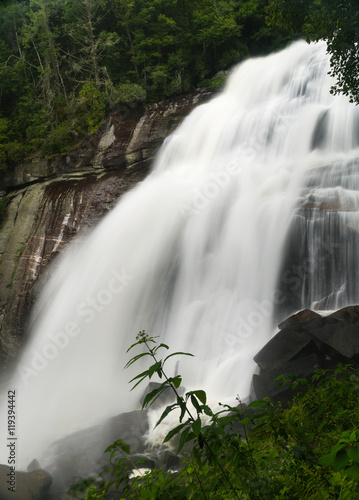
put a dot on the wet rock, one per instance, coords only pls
(282, 348)
(306, 342)
(34, 465)
(130, 427)
(82, 454)
(348, 314)
(172, 461)
(301, 368)
(63, 197)
(338, 339)
(27, 485)
(297, 320)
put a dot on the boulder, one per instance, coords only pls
(306, 342)
(282, 348)
(348, 314)
(298, 319)
(82, 454)
(28, 485)
(336, 338)
(34, 465)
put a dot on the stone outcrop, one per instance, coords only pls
(52, 200)
(306, 341)
(32, 485)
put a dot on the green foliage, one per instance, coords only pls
(337, 23)
(92, 107)
(217, 82)
(127, 93)
(10, 151)
(308, 451)
(59, 57)
(15, 152)
(59, 140)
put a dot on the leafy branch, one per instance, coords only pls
(189, 429)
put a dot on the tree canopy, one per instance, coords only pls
(64, 64)
(337, 22)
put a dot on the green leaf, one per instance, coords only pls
(244, 421)
(337, 447)
(136, 358)
(118, 444)
(131, 347)
(177, 354)
(341, 460)
(195, 403)
(352, 471)
(176, 381)
(327, 460)
(196, 426)
(207, 410)
(256, 405)
(143, 374)
(353, 454)
(165, 346)
(153, 395)
(183, 439)
(201, 395)
(183, 407)
(303, 381)
(167, 410)
(125, 448)
(154, 368)
(353, 437)
(138, 383)
(175, 431)
(225, 420)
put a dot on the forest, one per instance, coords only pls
(65, 64)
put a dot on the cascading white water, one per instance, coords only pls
(192, 254)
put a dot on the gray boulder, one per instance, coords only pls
(32, 485)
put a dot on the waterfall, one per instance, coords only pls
(201, 253)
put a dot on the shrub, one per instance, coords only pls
(129, 93)
(309, 451)
(91, 107)
(58, 140)
(15, 152)
(215, 83)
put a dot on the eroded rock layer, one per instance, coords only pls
(51, 200)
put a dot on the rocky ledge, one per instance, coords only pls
(52, 200)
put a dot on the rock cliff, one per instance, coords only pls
(52, 200)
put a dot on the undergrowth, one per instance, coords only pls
(307, 451)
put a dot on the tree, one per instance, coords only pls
(335, 21)
(40, 35)
(88, 46)
(14, 71)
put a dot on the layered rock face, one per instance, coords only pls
(52, 200)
